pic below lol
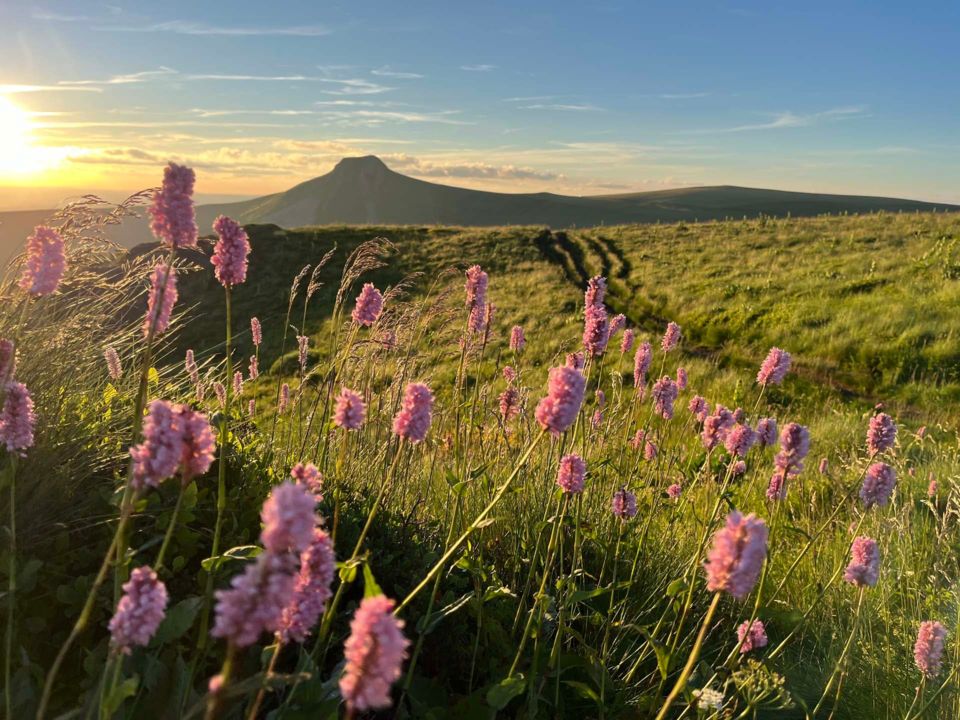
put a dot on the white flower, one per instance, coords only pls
(708, 698)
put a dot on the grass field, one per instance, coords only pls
(864, 304)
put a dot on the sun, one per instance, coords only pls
(19, 154)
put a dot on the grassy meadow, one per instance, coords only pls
(518, 599)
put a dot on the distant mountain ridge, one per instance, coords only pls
(364, 191)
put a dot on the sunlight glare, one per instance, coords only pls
(18, 154)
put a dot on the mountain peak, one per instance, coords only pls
(364, 164)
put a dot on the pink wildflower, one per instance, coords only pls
(626, 341)
(284, 398)
(238, 383)
(509, 403)
(374, 652)
(638, 437)
(231, 251)
(476, 287)
(571, 474)
(617, 323)
(595, 330)
(350, 411)
(199, 446)
(878, 485)
(928, 650)
(736, 558)
(369, 306)
(309, 476)
(253, 371)
(794, 446)
(596, 291)
(255, 601)
(664, 395)
(509, 374)
(190, 365)
(739, 439)
(681, 379)
(163, 282)
(864, 567)
(674, 491)
(17, 419)
(649, 451)
(517, 339)
(777, 488)
(159, 456)
(139, 612)
(767, 431)
(221, 392)
(45, 262)
(752, 635)
(774, 368)
(641, 363)
(932, 488)
(557, 411)
(575, 360)
(739, 468)
(256, 331)
(172, 215)
(882, 434)
(699, 407)
(114, 370)
(416, 413)
(288, 518)
(671, 338)
(311, 589)
(624, 504)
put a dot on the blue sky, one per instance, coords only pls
(572, 97)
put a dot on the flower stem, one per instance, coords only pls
(691, 660)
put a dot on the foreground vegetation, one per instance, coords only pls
(518, 590)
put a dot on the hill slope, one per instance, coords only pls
(364, 191)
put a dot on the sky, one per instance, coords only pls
(524, 96)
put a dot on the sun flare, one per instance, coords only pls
(19, 153)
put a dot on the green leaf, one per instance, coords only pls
(153, 377)
(500, 695)
(428, 623)
(126, 689)
(676, 587)
(583, 690)
(179, 619)
(241, 552)
(370, 587)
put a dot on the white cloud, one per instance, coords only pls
(182, 27)
(561, 107)
(128, 79)
(385, 71)
(792, 120)
(478, 68)
(16, 89)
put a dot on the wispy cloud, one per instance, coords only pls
(128, 79)
(182, 27)
(355, 86)
(478, 68)
(530, 98)
(440, 169)
(385, 71)
(791, 120)
(16, 89)
(683, 96)
(251, 78)
(52, 16)
(561, 107)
